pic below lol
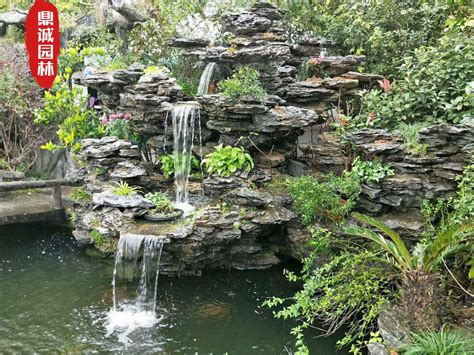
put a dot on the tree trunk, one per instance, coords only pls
(421, 299)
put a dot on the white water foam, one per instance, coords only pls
(136, 254)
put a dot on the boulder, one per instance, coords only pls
(246, 197)
(285, 118)
(82, 237)
(393, 327)
(189, 42)
(127, 170)
(377, 349)
(103, 147)
(109, 199)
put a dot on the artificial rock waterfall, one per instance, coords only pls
(239, 221)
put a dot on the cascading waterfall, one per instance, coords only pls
(205, 79)
(137, 257)
(184, 117)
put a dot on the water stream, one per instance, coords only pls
(205, 79)
(137, 258)
(184, 117)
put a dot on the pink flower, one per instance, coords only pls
(313, 61)
(385, 85)
(105, 121)
(127, 116)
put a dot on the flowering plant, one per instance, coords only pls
(116, 125)
(116, 116)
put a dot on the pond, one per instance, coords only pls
(54, 297)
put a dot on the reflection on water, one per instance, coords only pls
(54, 297)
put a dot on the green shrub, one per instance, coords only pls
(225, 161)
(351, 286)
(426, 256)
(374, 28)
(19, 96)
(79, 194)
(446, 342)
(435, 86)
(370, 171)
(458, 209)
(122, 188)
(67, 108)
(156, 197)
(117, 125)
(245, 83)
(329, 198)
(148, 41)
(86, 37)
(119, 62)
(167, 165)
(72, 58)
(186, 72)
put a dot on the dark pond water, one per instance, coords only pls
(54, 298)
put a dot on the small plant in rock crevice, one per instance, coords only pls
(122, 188)
(79, 194)
(410, 134)
(244, 83)
(101, 171)
(103, 244)
(227, 160)
(97, 237)
(370, 171)
(314, 67)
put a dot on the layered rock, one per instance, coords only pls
(268, 123)
(147, 96)
(249, 235)
(110, 158)
(256, 38)
(397, 199)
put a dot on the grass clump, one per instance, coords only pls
(79, 194)
(122, 188)
(446, 342)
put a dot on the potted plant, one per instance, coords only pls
(164, 209)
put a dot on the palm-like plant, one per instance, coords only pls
(418, 268)
(425, 256)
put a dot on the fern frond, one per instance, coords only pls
(402, 249)
(385, 244)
